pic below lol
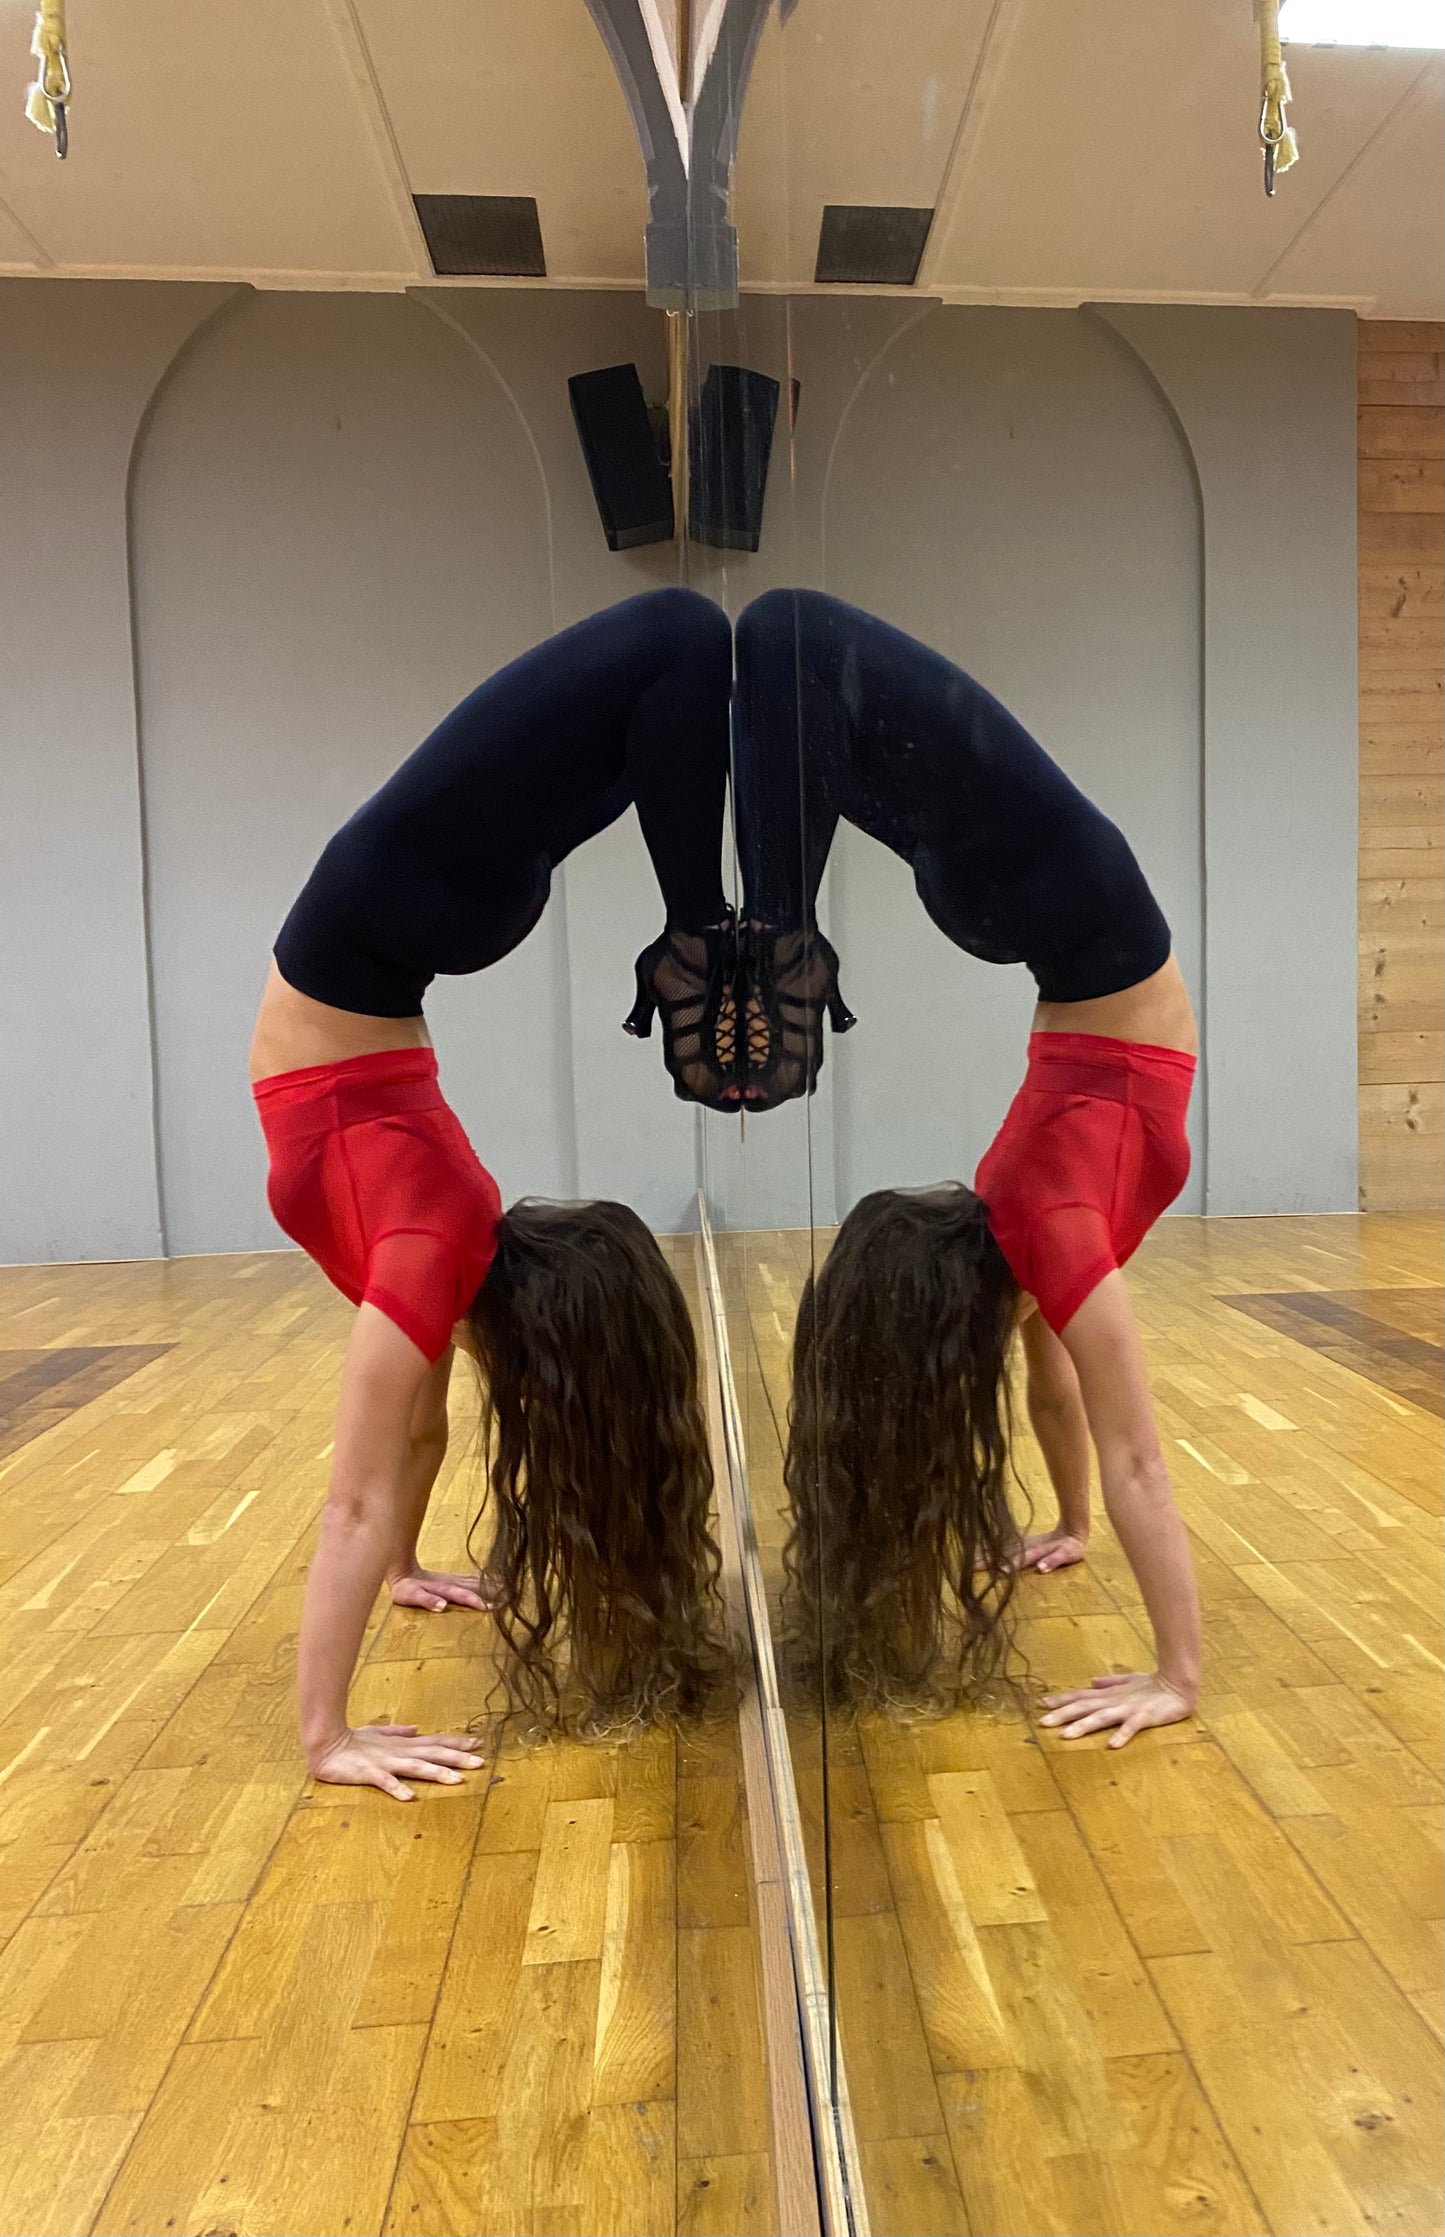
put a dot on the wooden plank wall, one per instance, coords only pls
(1402, 906)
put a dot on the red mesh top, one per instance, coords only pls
(372, 1175)
(1092, 1151)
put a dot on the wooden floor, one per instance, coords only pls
(1193, 1986)
(231, 2002)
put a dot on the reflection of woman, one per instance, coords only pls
(601, 1473)
(1014, 864)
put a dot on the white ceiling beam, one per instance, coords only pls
(44, 261)
(987, 73)
(1429, 81)
(361, 76)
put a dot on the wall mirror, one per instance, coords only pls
(896, 550)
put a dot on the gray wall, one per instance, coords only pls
(323, 494)
(78, 363)
(1060, 565)
(340, 519)
(1266, 401)
(253, 546)
(1137, 527)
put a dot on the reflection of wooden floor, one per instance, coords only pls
(232, 2002)
(1193, 1986)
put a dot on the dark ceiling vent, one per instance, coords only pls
(493, 234)
(866, 245)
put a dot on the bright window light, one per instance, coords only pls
(1362, 23)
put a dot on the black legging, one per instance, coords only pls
(837, 714)
(447, 868)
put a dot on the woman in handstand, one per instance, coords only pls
(899, 1456)
(600, 1468)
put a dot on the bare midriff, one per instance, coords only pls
(1156, 1013)
(293, 1032)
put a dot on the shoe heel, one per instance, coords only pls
(638, 1021)
(840, 1017)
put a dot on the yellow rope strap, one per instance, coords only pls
(1281, 148)
(50, 94)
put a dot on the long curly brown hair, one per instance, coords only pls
(610, 1612)
(899, 1565)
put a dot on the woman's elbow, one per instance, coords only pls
(1138, 1475)
(1053, 1402)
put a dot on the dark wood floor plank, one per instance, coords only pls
(40, 1388)
(1344, 1326)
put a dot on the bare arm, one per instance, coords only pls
(369, 1507)
(1104, 1344)
(411, 1585)
(1056, 1411)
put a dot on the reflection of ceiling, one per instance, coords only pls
(1068, 159)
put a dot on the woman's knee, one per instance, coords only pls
(696, 629)
(774, 628)
(770, 621)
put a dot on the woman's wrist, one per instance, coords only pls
(1059, 1533)
(320, 1736)
(1179, 1680)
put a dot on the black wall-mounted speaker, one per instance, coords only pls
(730, 443)
(629, 481)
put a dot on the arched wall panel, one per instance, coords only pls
(337, 528)
(1008, 486)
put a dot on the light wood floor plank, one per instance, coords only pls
(722, 2106)
(569, 1897)
(725, 2196)
(635, 2053)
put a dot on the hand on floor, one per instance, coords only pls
(385, 1755)
(1055, 1549)
(437, 1589)
(1131, 1699)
